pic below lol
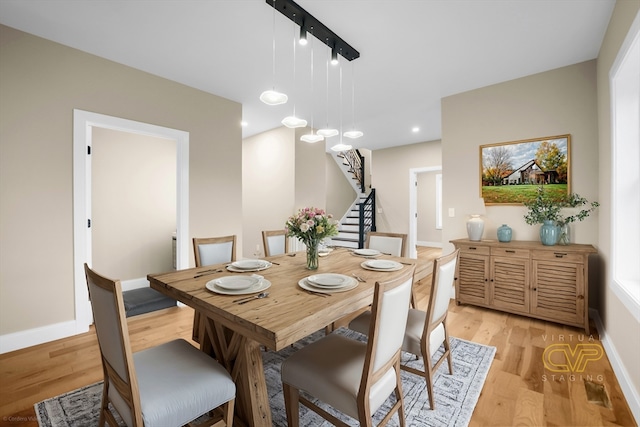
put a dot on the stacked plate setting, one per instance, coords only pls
(381, 265)
(249, 265)
(328, 283)
(367, 252)
(238, 285)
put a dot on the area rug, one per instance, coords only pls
(456, 395)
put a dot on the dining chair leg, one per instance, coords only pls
(292, 405)
(228, 412)
(429, 378)
(428, 373)
(400, 398)
(447, 349)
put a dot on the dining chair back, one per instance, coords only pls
(275, 242)
(388, 243)
(427, 331)
(168, 385)
(214, 250)
(210, 251)
(352, 376)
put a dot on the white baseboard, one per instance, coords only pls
(41, 335)
(622, 375)
(429, 244)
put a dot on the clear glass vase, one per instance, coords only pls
(565, 235)
(312, 255)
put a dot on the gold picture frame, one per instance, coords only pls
(511, 172)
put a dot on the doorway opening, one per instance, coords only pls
(84, 123)
(413, 204)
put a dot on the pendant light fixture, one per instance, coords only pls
(311, 137)
(273, 97)
(341, 146)
(293, 121)
(327, 132)
(353, 133)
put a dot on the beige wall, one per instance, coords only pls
(390, 177)
(282, 174)
(41, 82)
(574, 100)
(310, 173)
(621, 326)
(133, 203)
(268, 184)
(556, 102)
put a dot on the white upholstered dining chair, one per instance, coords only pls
(275, 242)
(167, 385)
(354, 377)
(210, 251)
(214, 250)
(427, 331)
(388, 243)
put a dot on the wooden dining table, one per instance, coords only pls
(237, 333)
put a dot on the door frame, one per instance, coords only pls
(413, 206)
(83, 123)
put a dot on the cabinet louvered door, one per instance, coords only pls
(510, 284)
(558, 291)
(472, 284)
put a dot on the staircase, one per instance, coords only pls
(360, 218)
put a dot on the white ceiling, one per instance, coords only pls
(412, 52)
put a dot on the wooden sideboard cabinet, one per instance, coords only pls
(527, 278)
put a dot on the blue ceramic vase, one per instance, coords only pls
(549, 233)
(504, 233)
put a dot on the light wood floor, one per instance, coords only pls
(518, 390)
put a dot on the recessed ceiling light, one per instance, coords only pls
(415, 129)
(243, 123)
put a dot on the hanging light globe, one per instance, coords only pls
(341, 147)
(328, 133)
(311, 138)
(353, 134)
(294, 122)
(271, 97)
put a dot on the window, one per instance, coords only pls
(625, 185)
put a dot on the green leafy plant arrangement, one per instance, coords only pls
(543, 208)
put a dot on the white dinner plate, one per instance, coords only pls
(366, 252)
(254, 266)
(377, 265)
(236, 283)
(329, 280)
(304, 284)
(250, 264)
(382, 264)
(260, 286)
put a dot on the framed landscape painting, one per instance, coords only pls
(511, 172)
